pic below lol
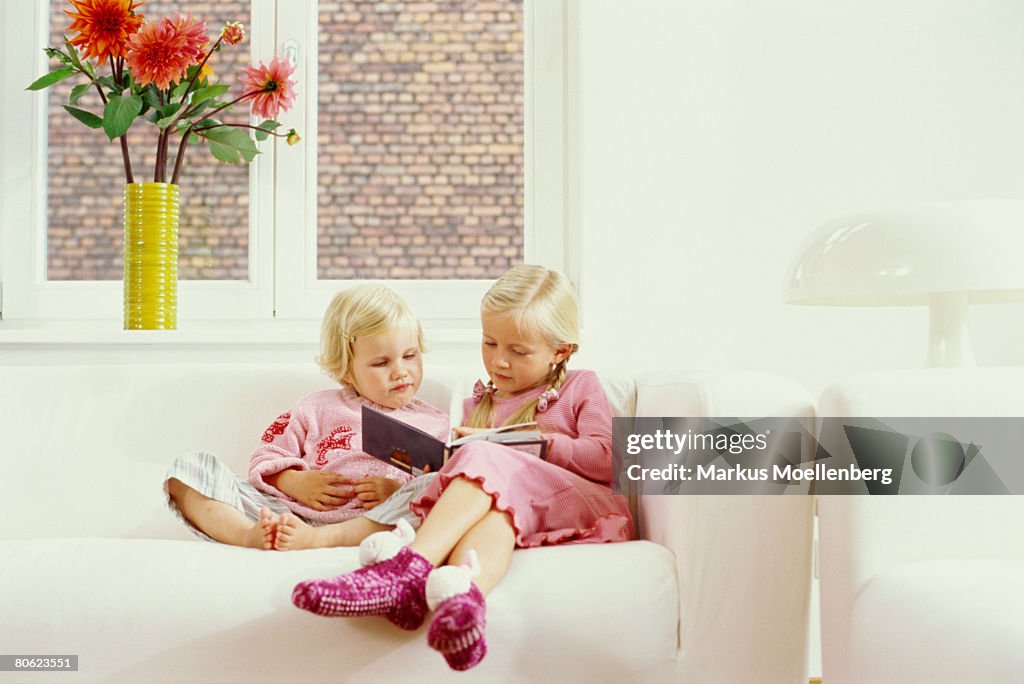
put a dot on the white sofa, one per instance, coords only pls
(92, 564)
(923, 589)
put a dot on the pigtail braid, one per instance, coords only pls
(558, 374)
(528, 413)
(480, 416)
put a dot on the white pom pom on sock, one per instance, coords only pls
(452, 580)
(381, 546)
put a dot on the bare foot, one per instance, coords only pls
(293, 533)
(262, 533)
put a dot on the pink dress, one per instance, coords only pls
(566, 498)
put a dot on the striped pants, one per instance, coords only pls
(208, 475)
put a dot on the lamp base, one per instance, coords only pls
(949, 333)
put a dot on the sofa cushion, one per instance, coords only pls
(940, 621)
(159, 610)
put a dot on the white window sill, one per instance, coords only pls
(282, 334)
(110, 333)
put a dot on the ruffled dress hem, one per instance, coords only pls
(610, 527)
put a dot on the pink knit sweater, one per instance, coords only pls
(323, 431)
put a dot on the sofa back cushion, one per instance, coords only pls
(85, 447)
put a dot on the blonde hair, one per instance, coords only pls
(361, 311)
(540, 303)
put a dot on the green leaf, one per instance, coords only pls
(179, 90)
(72, 54)
(172, 108)
(75, 59)
(88, 118)
(119, 114)
(195, 109)
(205, 97)
(223, 152)
(168, 115)
(152, 96)
(54, 53)
(55, 76)
(250, 154)
(210, 91)
(78, 91)
(228, 134)
(265, 128)
(227, 143)
(208, 123)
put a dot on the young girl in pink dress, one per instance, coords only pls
(310, 465)
(489, 498)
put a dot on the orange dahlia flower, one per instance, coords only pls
(161, 53)
(103, 27)
(271, 89)
(193, 31)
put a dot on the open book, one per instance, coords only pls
(411, 449)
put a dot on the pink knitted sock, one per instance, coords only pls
(393, 588)
(457, 630)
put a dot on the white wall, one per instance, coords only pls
(714, 135)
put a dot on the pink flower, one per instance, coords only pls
(161, 53)
(270, 88)
(233, 33)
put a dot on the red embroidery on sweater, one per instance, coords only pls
(340, 438)
(277, 427)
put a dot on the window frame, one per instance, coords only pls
(283, 283)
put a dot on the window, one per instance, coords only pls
(433, 157)
(419, 139)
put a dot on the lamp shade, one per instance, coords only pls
(943, 255)
(903, 256)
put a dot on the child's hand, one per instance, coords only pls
(463, 430)
(316, 488)
(371, 491)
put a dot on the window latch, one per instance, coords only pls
(291, 52)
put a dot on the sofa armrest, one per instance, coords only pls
(743, 562)
(865, 537)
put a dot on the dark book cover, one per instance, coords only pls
(411, 449)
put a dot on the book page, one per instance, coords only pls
(502, 433)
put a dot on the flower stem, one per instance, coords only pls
(126, 158)
(195, 76)
(184, 111)
(188, 131)
(118, 72)
(160, 168)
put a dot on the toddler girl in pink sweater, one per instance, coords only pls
(310, 464)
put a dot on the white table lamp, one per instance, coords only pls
(946, 255)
